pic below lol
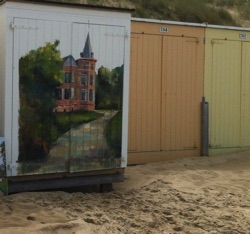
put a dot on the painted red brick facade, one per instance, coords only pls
(78, 90)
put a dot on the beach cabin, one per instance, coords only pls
(226, 88)
(166, 90)
(64, 75)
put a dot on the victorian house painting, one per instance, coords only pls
(78, 89)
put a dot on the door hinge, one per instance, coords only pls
(117, 34)
(13, 26)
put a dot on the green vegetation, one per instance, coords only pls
(4, 186)
(109, 88)
(2, 160)
(227, 3)
(113, 134)
(66, 120)
(195, 11)
(242, 7)
(39, 74)
(224, 12)
(245, 10)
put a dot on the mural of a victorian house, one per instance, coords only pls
(78, 89)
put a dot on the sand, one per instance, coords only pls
(194, 195)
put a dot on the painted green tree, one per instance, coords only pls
(40, 72)
(109, 89)
(2, 159)
(109, 93)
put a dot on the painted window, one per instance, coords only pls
(86, 66)
(91, 82)
(84, 94)
(91, 95)
(67, 93)
(84, 78)
(59, 94)
(67, 77)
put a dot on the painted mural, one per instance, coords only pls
(70, 115)
(2, 158)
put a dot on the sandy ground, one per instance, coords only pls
(195, 195)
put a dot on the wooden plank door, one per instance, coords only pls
(98, 51)
(245, 95)
(181, 95)
(225, 107)
(145, 93)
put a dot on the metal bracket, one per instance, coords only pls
(13, 26)
(117, 34)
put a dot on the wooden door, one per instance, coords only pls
(245, 95)
(39, 46)
(145, 93)
(225, 107)
(99, 54)
(181, 88)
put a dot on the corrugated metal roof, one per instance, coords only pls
(69, 3)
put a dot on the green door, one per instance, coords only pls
(224, 106)
(245, 95)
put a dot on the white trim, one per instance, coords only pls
(168, 22)
(2, 69)
(126, 64)
(227, 27)
(203, 25)
(8, 94)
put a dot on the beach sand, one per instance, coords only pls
(191, 195)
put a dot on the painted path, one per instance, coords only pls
(85, 142)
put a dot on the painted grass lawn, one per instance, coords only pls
(67, 120)
(114, 134)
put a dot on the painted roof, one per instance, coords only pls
(87, 50)
(69, 61)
